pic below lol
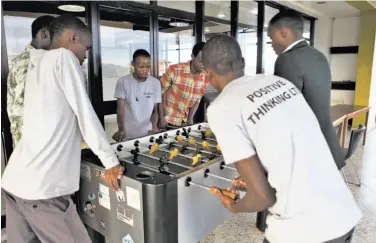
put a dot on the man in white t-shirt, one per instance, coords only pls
(138, 95)
(264, 125)
(44, 169)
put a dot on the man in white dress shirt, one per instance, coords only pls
(263, 124)
(44, 169)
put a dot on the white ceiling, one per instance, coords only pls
(333, 9)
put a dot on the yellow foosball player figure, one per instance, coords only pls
(264, 125)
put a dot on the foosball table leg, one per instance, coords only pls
(261, 220)
(95, 236)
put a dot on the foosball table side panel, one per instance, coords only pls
(160, 212)
(199, 211)
(119, 215)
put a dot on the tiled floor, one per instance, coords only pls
(241, 227)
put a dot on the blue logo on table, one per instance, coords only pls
(128, 239)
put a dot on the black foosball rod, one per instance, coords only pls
(161, 140)
(159, 159)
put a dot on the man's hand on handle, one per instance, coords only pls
(239, 184)
(227, 201)
(119, 135)
(112, 176)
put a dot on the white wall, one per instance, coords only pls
(337, 32)
(372, 94)
(323, 35)
(346, 32)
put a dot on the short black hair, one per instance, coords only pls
(140, 53)
(222, 53)
(64, 22)
(197, 48)
(40, 23)
(290, 19)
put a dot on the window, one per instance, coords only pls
(307, 30)
(218, 15)
(119, 40)
(17, 34)
(122, 33)
(175, 43)
(187, 6)
(269, 55)
(247, 36)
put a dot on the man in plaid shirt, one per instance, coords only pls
(183, 86)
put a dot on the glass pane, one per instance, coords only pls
(218, 9)
(221, 11)
(187, 6)
(247, 36)
(119, 40)
(17, 35)
(307, 29)
(175, 43)
(269, 56)
(142, 1)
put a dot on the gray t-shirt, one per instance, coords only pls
(140, 98)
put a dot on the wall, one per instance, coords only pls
(323, 35)
(343, 66)
(372, 95)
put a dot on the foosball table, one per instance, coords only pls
(165, 190)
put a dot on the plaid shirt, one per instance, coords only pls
(181, 90)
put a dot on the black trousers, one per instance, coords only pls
(343, 239)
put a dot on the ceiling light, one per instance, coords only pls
(179, 24)
(221, 15)
(72, 8)
(207, 29)
(254, 11)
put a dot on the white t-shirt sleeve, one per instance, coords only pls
(231, 137)
(120, 91)
(72, 83)
(158, 92)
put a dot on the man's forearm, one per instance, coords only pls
(192, 110)
(260, 195)
(154, 118)
(160, 111)
(250, 203)
(120, 119)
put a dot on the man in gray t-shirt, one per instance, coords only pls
(138, 95)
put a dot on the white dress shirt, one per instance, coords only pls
(293, 44)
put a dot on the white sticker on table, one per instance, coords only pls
(128, 239)
(104, 189)
(124, 215)
(133, 198)
(104, 196)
